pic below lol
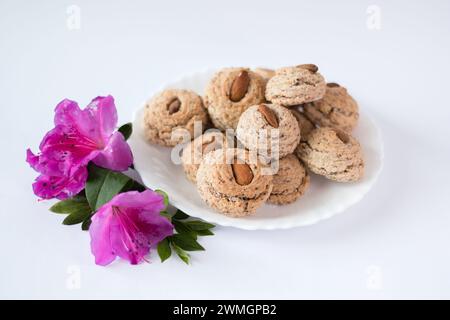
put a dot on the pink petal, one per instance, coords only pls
(79, 136)
(124, 244)
(147, 200)
(148, 219)
(71, 118)
(154, 226)
(96, 122)
(60, 187)
(100, 232)
(116, 155)
(47, 163)
(32, 160)
(105, 113)
(66, 113)
(61, 150)
(135, 226)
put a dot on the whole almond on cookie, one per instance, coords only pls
(174, 106)
(293, 86)
(256, 132)
(269, 115)
(309, 66)
(239, 87)
(342, 136)
(223, 188)
(173, 109)
(243, 174)
(230, 92)
(208, 144)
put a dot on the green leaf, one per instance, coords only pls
(180, 215)
(164, 250)
(133, 185)
(186, 242)
(180, 227)
(126, 130)
(77, 216)
(164, 194)
(102, 185)
(204, 232)
(181, 253)
(165, 214)
(86, 223)
(199, 225)
(77, 208)
(69, 205)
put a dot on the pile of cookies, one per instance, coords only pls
(310, 120)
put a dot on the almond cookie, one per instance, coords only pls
(195, 150)
(268, 127)
(336, 109)
(291, 86)
(290, 182)
(232, 184)
(334, 154)
(265, 73)
(230, 92)
(305, 125)
(172, 110)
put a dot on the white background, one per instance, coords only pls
(393, 244)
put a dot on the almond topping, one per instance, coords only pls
(239, 87)
(343, 137)
(243, 174)
(174, 106)
(269, 115)
(207, 145)
(309, 66)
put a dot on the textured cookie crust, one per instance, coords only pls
(333, 154)
(291, 86)
(336, 109)
(159, 123)
(225, 113)
(290, 182)
(305, 125)
(255, 133)
(194, 151)
(265, 73)
(217, 185)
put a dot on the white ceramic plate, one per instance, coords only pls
(322, 200)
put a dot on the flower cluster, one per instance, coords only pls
(79, 136)
(81, 155)
(128, 226)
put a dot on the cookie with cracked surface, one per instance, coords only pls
(194, 151)
(292, 86)
(336, 109)
(229, 182)
(263, 127)
(230, 92)
(172, 110)
(334, 154)
(290, 182)
(305, 125)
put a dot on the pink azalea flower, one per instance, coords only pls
(128, 226)
(79, 136)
